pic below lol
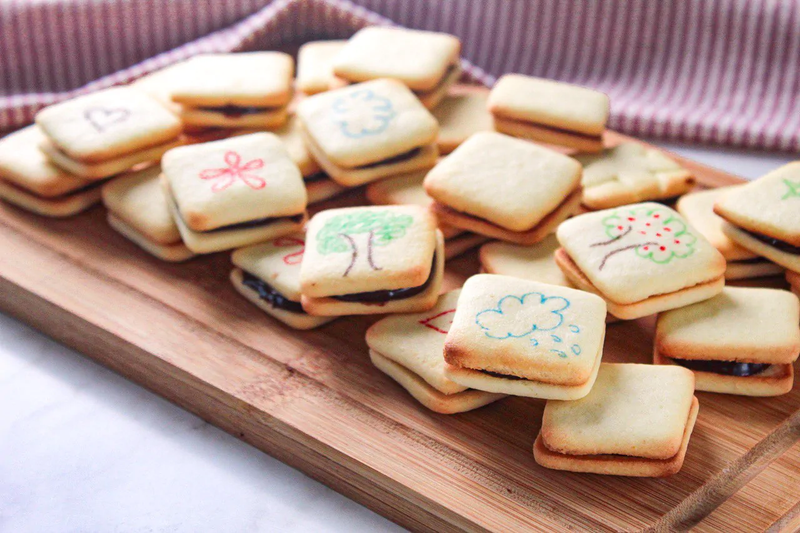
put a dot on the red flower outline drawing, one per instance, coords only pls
(294, 258)
(428, 322)
(227, 176)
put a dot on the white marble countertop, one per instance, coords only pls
(83, 450)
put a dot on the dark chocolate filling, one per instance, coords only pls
(389, 295)
(783, 246)
(499, 375)
(235, 111)
(257, 223)
(61, 196)
(751, 261)
(726, 368)
(319, 176)
(394, 159)
(269, 294)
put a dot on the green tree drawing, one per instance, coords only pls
(381, 228)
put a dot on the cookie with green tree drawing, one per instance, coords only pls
(763, 216)
(642, 259)
(369, 260)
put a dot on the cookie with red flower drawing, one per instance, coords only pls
(234, 192)
(642, 259)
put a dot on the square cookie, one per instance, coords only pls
(409, 349)
(139, 210)
(315, 65)
(763, 216)
(630, 173)
(525, 338)
(636, 421)
(237, 191)
(642, 259)
(30, 181)
(742, 341)
(368, 131)
(504, 188)
(423, 61)
(107, 125)
(407, 190)
(372, 260)
(461, 115)
(549, 111)
(535, 263)
(268, 275)
(698, 210)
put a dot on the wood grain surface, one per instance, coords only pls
(313, 400)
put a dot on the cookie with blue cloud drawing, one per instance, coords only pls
(234, 192)
(642, 259)
(550, 112)
(525, 338)
(698, 209)
(504, 188)
(409, 348)
(107, 132)
(368, 131)
(636, 421)
(426, 62)
(762, 216)
(372, 260)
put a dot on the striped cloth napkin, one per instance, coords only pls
(699, 71)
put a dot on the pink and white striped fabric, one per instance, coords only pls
(707, 71)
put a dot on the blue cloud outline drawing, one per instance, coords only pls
(382, 113)
(498, 309)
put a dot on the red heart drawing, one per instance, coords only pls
(101, 118)
(437, 323)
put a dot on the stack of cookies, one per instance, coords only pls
(209, 155)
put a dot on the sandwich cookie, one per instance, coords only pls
(764, 216)
(368, 131)
(138, 209)
(524, 338)
(372, 260)
(268, 275)
(243, 90)
(630, 173)
(315, 65)
(636, 421)
(742, 341)
(698, 210)
(407, 190)
(408, 348)
(319, 186)
(29, 180)
(505, 188)
(425, 62)
(641, 259)
(107, 132)
(549, 112)
(234, 192)
(459, 116)
(535, 263)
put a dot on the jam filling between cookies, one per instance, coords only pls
(257, 223)
(439, 83)
(499, 375)
(269, 294)
(62, 196)
(725, 368)
(389, 295)
(235, 111)
(783, 246)
(552, 128)
(319, 176)
(392, 160)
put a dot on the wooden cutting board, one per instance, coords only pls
(313, 400)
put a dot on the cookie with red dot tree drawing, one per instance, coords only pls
(642, 259)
